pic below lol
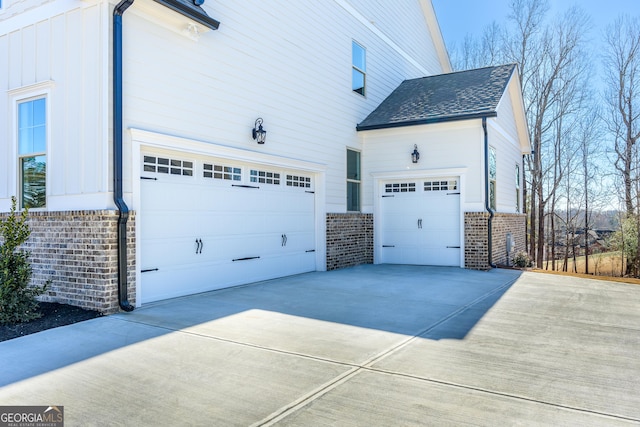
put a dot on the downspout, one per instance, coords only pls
(123, 210)
(486, 198)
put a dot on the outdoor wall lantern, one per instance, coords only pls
(259, 134)
(415, 156)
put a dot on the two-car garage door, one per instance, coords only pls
(420, 222)
(209, 223)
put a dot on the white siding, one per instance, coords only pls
(64, 46)
(503, 135)
(287, 62)
(405, 24)
(453, 145)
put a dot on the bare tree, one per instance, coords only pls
(552, 89)
(622, 71)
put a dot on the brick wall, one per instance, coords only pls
(349, 239)
(77, 252)
(476, 241)
(508, 223)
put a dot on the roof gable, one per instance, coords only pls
(444, 97)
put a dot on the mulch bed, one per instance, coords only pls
(53, 315)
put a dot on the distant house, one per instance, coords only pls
(169, 147)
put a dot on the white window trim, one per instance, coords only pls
(357, 181)
(17, 96)
(364, 72)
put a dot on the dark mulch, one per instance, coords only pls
(53, 315)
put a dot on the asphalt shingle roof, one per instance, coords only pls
(444, 97)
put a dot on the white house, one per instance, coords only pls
(169, 147)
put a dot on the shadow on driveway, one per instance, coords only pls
(345, 316)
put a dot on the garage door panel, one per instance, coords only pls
(245, 231)
(420, 226)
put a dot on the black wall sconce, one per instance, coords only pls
(259, 134)
(415, 156)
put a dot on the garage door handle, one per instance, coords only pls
(245, 258)
(284, 240)
(199, 246)
(420, 223)
(453, 247)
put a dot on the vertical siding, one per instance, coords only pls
(504, 137)
(5, 133)
(287, 62)
(64, 48)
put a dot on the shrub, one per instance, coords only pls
(17, 298)
(522, 260)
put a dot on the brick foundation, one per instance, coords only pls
(349, 239)
(476, 238)
(77, 252)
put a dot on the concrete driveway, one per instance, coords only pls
(370, 345)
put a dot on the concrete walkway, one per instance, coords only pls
(374, 345)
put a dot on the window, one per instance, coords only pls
(358, 75)
(353, 181)
(440, 185)
(168, 166)
(230, 173)
(517, 188)
(492, 178)
(264, 177)
(298, 181)
(32, 152)
(400, 187)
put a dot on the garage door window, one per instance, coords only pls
(222, 172)
(400, 187)
(168, 166)
(264, 177)
(298, 181)
(440, 185)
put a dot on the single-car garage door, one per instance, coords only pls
(420, 222)
(210, 223)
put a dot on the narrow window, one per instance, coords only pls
(353, 181)
(32, 152)
(517, 188)
(358, 72)
(492, 178)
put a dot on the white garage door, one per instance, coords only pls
(421, 222)
(208, 223)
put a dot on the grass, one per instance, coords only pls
(605, 266)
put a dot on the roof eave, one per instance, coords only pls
(200, 18)
(432, 120)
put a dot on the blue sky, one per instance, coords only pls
(460, 17)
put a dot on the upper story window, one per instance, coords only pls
(493, 173)
(353, 181)
(32, 152)
(358, 72)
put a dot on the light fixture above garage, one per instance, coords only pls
(415, 156)
(259, 134)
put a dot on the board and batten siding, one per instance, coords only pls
(504, 137)
(287, 62)
(63, 48)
